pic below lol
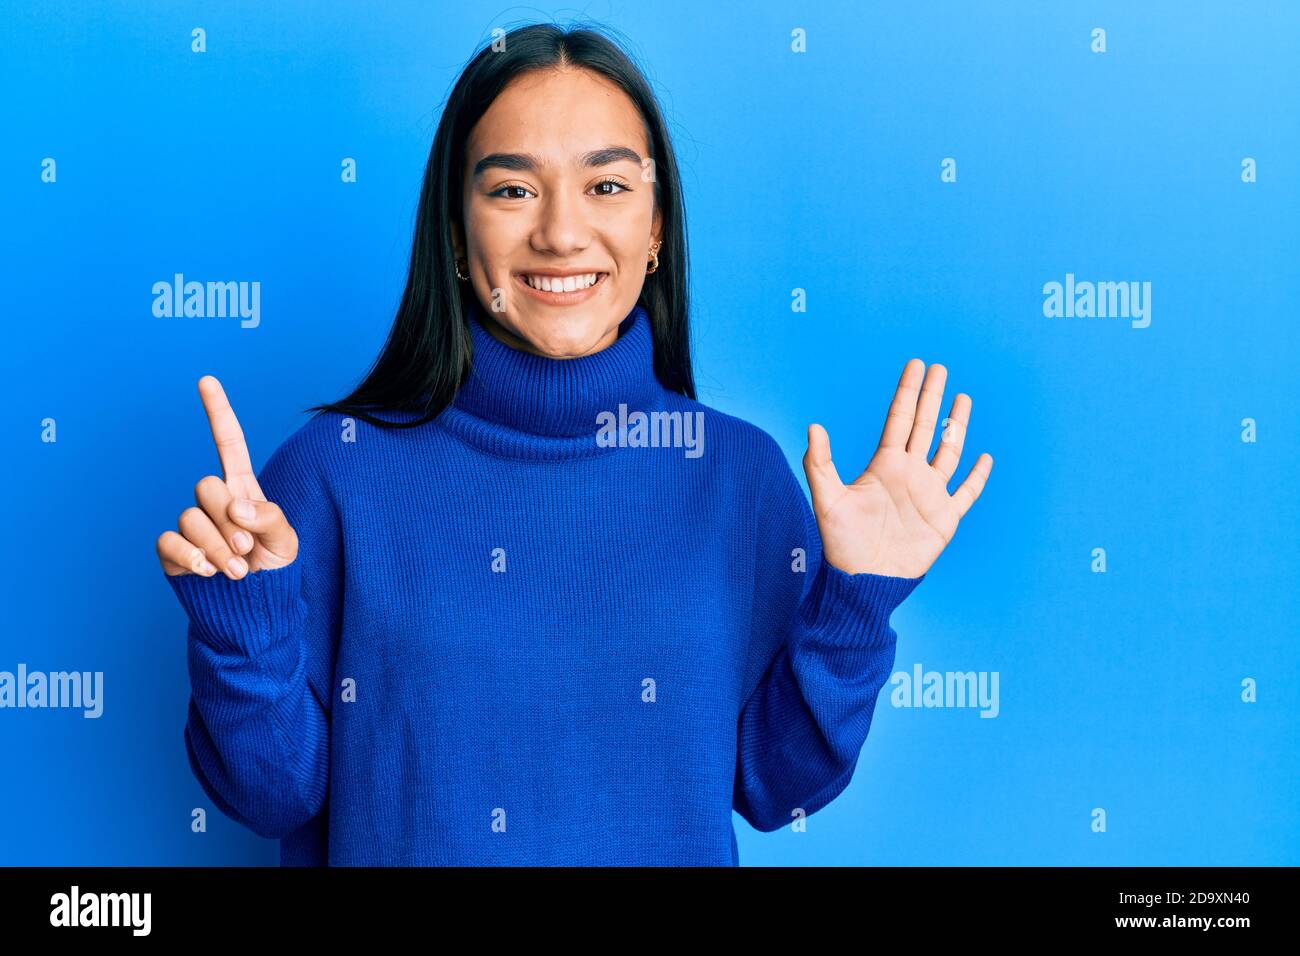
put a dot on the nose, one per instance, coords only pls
(562, 228)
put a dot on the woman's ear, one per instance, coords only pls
(457, 241)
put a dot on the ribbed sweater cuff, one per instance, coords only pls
(246, 616)
(853, 610)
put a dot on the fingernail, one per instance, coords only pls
(237, 566)
(205, 567)
(244, 509)
(242, 541)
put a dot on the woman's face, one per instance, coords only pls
(553, 188)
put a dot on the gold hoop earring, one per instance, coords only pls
(654, 255)
(466, 275)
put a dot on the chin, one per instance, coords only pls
(561, 337)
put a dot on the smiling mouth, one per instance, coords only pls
(561, 290)
(574, 282)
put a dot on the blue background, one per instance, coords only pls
(818, 171)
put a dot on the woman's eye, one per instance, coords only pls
(498, 192)
(522, 192)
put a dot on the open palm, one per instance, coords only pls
(897, 516)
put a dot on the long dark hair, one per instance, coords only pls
(428, 352)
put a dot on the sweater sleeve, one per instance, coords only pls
(261, 652)
(824, 647)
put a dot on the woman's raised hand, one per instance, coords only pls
(897, 516)
(234, 528)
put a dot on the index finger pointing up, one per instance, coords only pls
(226, 432)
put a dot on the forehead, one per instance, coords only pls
(558, 114)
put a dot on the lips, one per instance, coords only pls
(561, 282)
(563, 296)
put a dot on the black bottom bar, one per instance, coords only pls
(239, 904)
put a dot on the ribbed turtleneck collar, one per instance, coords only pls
(515, 402)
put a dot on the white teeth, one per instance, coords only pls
(565, 284)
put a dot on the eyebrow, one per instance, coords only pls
(527, 162)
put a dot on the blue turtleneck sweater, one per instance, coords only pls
(531, 632)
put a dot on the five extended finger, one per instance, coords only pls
(823, 477)
(902, 409)
(927, 411)
(970, 489)
(952, 437)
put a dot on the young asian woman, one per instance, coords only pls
(520, 598)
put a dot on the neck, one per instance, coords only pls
(525, 404)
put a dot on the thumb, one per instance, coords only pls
(823, 479)
(265, 520)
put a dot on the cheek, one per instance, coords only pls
(490, 237)
(635, 260)
(630, 254)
